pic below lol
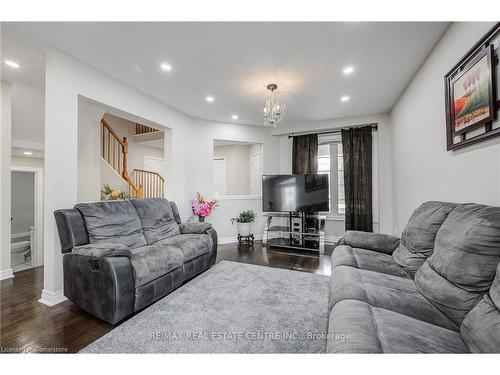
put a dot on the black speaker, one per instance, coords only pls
(297, 230)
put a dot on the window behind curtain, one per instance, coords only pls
(330, 162)
(331, 144)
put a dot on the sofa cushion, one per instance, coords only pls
(112, 222)
(157, 219)
(356, 327)
(417, 240)
(101, 250)
(152, 261)
(192, 245)
(384, 291)
(345, 255)
(481, 327)
(380, 242)
(464, 262)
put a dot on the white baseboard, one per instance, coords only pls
(6, 274)
(227, 240)
(52, 298)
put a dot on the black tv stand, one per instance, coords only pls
(304, 231)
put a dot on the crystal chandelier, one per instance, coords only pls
(273, 111)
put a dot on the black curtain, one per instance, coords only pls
(357, 153)
(305, 154)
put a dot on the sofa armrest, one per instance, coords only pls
(104, 287)
(213, 254)
(100, 250)
(202, 228)
(194, 228)
(383, 243)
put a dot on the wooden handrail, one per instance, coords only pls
(150, 172)
(138, 189)
(110, 129)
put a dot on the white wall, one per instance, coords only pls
(111, 177)
(230, 208)
(22, 201)
(20, 161)
(237, 168)
(89, 152)
(28, 113)
(188, 144)
(422, 168)
(5, 151)
(335, 226)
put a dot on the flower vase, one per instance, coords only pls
(201, 219)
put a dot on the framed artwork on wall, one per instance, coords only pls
(471, 103)
(472, 93)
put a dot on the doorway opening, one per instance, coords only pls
(26, 218)
(237, 168)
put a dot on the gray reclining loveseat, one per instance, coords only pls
(435, 290)
(121, 256)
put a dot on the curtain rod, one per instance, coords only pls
(334, 131)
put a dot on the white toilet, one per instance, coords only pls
(21, 247)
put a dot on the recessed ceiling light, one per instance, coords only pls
(209, 99)
(12, 64)
(166, 67)
(27, 153)
(345, 98)
(234, 117)
(348, 70)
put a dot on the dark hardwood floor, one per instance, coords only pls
(29, 326)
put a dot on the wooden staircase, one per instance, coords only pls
(114, 150)
(143, 129)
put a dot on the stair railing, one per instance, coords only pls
(143, 129)
(114, 151)
(153, 183)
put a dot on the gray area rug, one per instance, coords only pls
(231, 308)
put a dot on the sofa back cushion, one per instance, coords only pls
(463, 265)
(112, 222)
(417, 239)
(157, 218)
(480, 329)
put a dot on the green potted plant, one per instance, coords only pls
(244, 222)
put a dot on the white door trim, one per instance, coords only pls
(259, 153)
(222, 158)
(37, 259)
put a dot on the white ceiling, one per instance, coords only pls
(235, 61)
(32, 60)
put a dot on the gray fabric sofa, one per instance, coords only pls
(435, 290)
(120, 256)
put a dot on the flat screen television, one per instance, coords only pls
(295, 193)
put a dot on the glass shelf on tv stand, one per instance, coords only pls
(312, 239)
(286, 230)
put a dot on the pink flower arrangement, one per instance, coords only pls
(201, 206)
